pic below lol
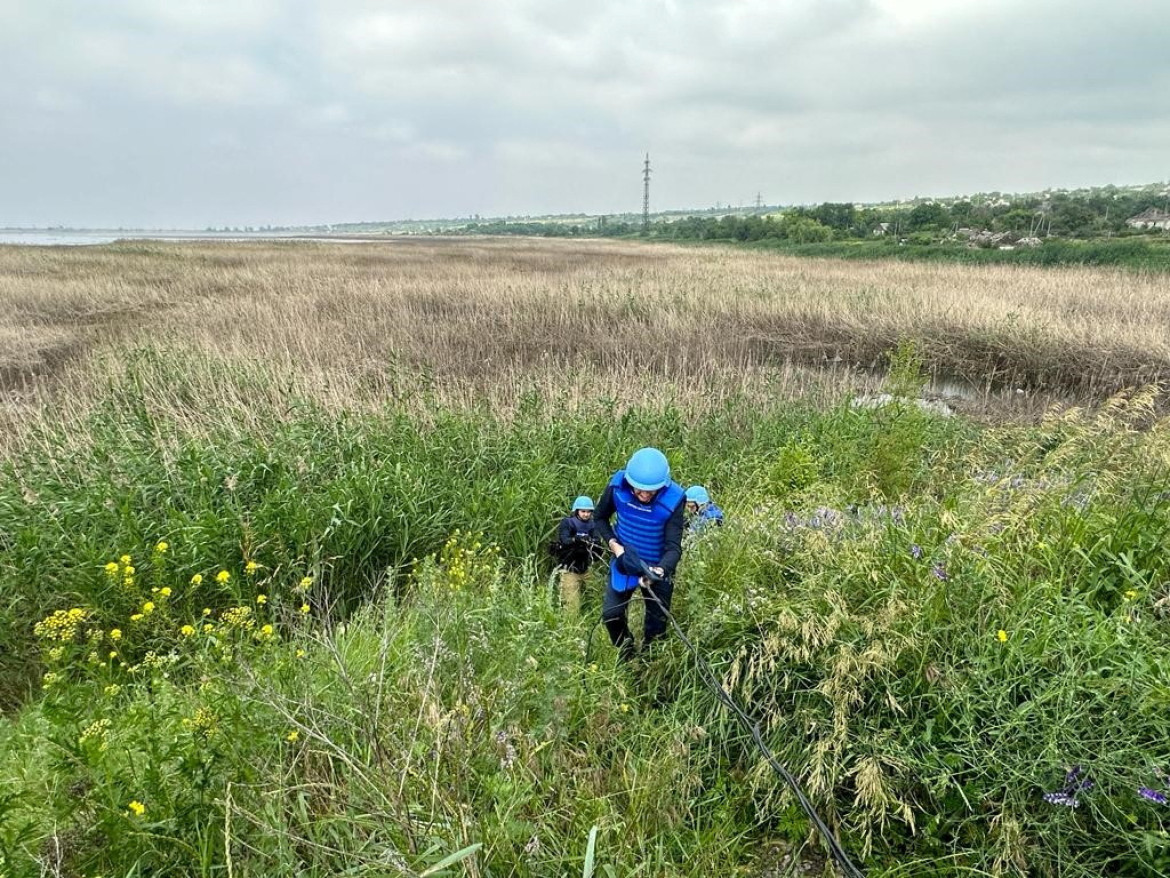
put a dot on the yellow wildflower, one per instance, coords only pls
(137, 808)
(113, 689)
(237, 617)
(305, 584)
(112, 568)
(300, 653)
(1131, 595)
(208, 627)
(304, 609)
(55, 653)
(264, 633)
(1001, 636)
(113, 654)
(136, 617)
(251, 567)
(223, 576)
(125, 559)
(262, 599)
(292, 736)
(96, 732)
(196, 579)
(115, 634)
(203, 723)
(129, 572)
(62, 625)
(49, 679)
(148, 608)
(207, 611)
(187, 630)
(162, 547)
(165, 591)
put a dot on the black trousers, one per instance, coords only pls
(615, 608)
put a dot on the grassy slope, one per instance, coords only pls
(338, 413)
(458, 708)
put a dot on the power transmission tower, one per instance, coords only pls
(759, 203)
(646, 196)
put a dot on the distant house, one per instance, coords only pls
(881, 228)
(1151, 218)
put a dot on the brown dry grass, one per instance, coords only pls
(487, 317)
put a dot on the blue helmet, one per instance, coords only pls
(648, 470)
(698, 494)
(582, 502)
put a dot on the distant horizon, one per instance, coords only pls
(245, 228)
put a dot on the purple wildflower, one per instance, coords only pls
(940, 573)
(1074, 784)
(1155, 796)
(915, 551)
(898, 515)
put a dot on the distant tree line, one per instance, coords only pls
(1102, 213)
(1093, 213)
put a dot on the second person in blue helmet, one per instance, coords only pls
(650, 522)
(575, 549)
(702, 509)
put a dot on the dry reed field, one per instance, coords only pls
(474, 318)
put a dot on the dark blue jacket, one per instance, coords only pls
(577, 543)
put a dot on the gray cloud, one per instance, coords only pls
(194, 112)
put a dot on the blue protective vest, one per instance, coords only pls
(709, 514)
(641, 525)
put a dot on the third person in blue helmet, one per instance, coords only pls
(702, 509)
(650, 521)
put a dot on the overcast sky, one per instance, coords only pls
(187, 113)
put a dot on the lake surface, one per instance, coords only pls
(81, 238)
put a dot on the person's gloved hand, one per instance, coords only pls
(631, 564)
(647, 581)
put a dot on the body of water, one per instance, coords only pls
(80, 238)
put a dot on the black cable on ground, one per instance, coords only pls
(725, 698)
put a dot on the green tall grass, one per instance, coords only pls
(406, 699)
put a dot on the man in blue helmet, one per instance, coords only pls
(575, 549)
(703, 511)
(650, 522)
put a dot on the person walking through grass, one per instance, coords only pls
(575, 550)
(646, 543)
(702, 509)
